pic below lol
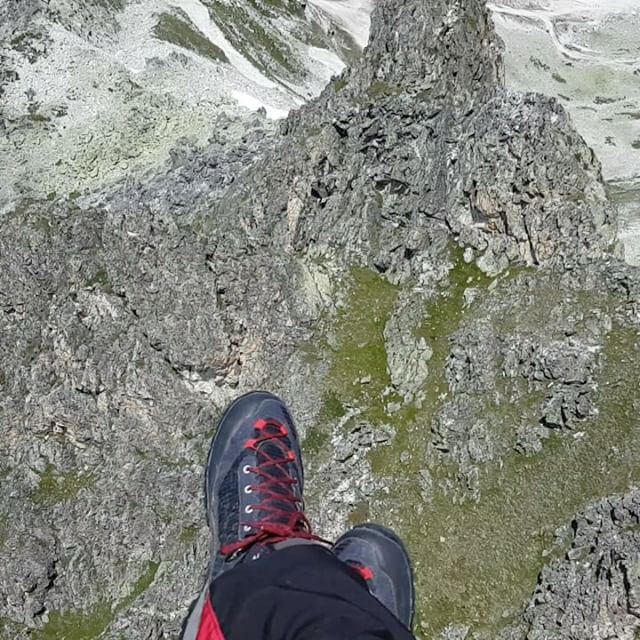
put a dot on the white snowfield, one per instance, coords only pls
(352, 15)
(200, 17)
(587, 14)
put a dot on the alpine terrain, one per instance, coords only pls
(423, 259)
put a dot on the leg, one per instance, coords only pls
(270, 577)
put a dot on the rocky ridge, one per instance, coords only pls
(421, 263)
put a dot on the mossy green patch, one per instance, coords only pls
(101, 280)
(339, 84)
(4, 534)
(91, 624)
(76, 625)
(477, 563)
(55, 487)
(443, 315)
(379, 89)
(8, 629)
(189, 534)
(316, 439)
(141, 585)
(332, 408)
(182, 33)
(359, 374)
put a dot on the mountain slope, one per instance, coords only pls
(421, 263)
(97, 92)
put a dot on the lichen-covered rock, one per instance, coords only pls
(473, 412)
(594, 590)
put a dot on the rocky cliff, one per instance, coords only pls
(422, 264)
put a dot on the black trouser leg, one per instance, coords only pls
(299, 593)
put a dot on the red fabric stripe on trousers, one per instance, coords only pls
(209, 628)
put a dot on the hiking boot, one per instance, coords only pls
(380, 557)
(253, 482)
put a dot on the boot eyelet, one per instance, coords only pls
(246, 528)
(248, 489)
(246, 469)
(248, 509)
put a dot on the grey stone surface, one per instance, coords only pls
(130, 316)
(592, 592)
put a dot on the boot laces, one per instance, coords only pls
(280, 506)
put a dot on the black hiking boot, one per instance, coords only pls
(253, 482)
(381, 558)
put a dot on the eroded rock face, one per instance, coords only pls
(593, 591)
(411, 158)
(131, 317)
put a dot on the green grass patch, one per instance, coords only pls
(315, 440)
(180, 32)
(379, 89)
(339, 84)
(76, 625)
(55, 487)
(102, 281)
(357, 352)
(91, 624)
(142, 584)
(443, 315)
(359, 349)
(4, 534)
(189, 534)
(478, 563)
(333, 409)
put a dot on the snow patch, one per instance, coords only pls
(199, 15)
(328, 59)
(252, 103)
(351, 15)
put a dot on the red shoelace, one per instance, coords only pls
(278, 523)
